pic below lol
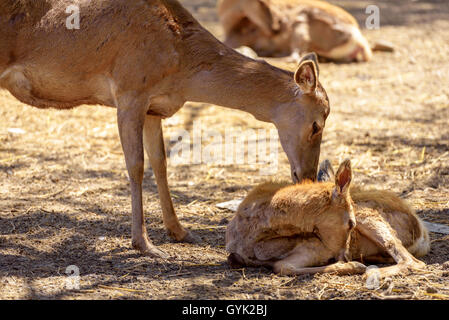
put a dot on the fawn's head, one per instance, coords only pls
(300, 122)
(336, 223)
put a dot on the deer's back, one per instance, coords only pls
(135, 42)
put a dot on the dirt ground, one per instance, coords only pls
(64, 196)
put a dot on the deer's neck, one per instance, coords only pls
(229, 79)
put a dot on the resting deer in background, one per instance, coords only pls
(146, 58)
(298, 229)
(292, 27)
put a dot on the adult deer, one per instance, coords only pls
(147, 58)
(291, 27)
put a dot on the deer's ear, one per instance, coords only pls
(343, 177)
(326, 172)
(306, 77)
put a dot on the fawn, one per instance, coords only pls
(300, 229)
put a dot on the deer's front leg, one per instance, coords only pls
(154, 145)
(130, 124)
(339, 268)
(309, 254)
(379, 231)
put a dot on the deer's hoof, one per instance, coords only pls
(146, 248)
(186, 236)
(155, 253)
(417, 266)
(183, 235)
(190, 237)
(357, 267)
(420, 265)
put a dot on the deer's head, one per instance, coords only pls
(300, 122)
(336, 223)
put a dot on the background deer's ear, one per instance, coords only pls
(325, 172)
(259, 13)
(343, 177)
(306, 77)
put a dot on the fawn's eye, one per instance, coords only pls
(351, 224)
(315, 129)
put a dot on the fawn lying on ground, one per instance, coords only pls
(292, 27)
(146, 58)
(298, 229)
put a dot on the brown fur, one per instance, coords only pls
(405, 224)
(275, 219)
(385, 224)
(146, 58)
(288, 27)
(388, 203)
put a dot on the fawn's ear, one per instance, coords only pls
(306, 77)
(325, 172)
(343, 177)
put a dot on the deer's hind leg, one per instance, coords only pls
(377, 230)
(155, 148)
(310, 257)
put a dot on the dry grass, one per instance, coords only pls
(64, 197)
